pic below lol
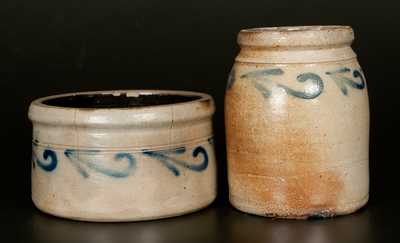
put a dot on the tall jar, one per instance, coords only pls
(297, 123)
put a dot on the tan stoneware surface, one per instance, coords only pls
(297, 123)
(94, 161)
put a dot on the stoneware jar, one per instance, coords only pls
(297, 120)
(123, 155)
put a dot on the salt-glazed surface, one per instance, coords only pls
(297, 123)
(123, 155)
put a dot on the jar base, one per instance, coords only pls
(317, 214)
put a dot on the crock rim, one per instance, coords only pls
(201, 97)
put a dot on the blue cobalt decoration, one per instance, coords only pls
(49, 156)
(341, 80)
(86, 160)
(168, 158)
(90, 163)
(261, 78)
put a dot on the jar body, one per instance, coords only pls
(297, 132)
(123, 164)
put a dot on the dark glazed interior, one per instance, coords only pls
(117, 101)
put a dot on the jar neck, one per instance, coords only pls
(251, 54)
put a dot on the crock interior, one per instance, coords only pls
(121, 100)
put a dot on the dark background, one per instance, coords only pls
(51, 47)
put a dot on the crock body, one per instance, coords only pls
(297, 120)
(123, 164)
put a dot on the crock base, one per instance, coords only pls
(125, 219)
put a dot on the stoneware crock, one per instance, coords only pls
(297, 120)
(123, 155)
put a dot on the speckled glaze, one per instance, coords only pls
(98, 161)
(297, 120)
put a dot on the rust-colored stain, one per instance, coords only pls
(275, 166)
(206, 104)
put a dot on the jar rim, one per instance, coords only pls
(296, 36)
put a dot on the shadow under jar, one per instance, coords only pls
(123, 155)
(297, 120)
